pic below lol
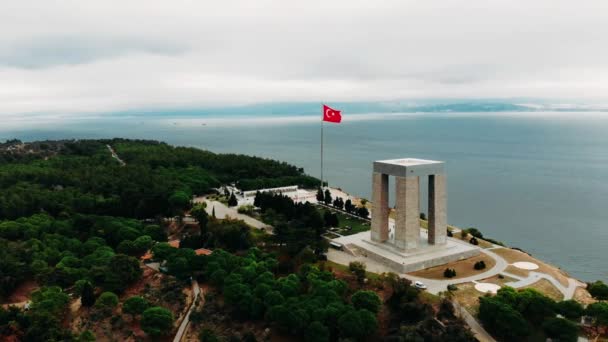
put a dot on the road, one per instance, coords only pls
(223, 211)
(182, 327)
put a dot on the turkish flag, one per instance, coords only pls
(331, 115)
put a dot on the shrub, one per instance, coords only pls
(246, 209)
(452, 287)
(449, 273)
(207, 335)
(474, 241)
(480, 265)
(450, 234)
(475, 232)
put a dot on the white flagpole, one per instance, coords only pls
(322, 119)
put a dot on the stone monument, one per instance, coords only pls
(407, 173)
(409, 247)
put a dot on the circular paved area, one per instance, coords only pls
(524, 265)
(487, 287)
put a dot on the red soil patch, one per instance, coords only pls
(23, 292)
(150, 277)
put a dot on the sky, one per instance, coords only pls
(75, 57)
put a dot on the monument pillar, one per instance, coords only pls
(407, 211)
(379, 207)
(437, 210)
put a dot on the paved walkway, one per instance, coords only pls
(115, 155)
(223, 211)
(435, 285)
(182, 327)
(533, 277)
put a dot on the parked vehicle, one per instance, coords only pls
(419, 285)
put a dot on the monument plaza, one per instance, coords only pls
(401, 243)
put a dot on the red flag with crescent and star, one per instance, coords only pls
(331, 115)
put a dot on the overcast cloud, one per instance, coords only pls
(91, 57)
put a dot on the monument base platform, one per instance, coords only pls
(423, 257)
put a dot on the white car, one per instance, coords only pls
(419, 285)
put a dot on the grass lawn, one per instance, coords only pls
(344, 268)
(582, 296)
(429, 298)
(517, 271)
(464, 268)
(468, 297)
(356, 225)
(497, 280)
(512, 255)
(545, 287)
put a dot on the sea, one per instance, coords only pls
(534, 180)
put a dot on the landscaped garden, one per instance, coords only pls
(347, 224)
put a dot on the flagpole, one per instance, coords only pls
(322, 117)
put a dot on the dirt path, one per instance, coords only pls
(186, 321)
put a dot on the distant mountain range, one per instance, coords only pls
(419, 106)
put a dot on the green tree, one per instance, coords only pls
(162, 251)
(369, 323)
(599, 311)
(87, 294)
(126, 247)
(502, 320)
(142, 244)
(317, 332)
(358, 269)
(123, 271)
(157, 321)
(135, 305)
(179, 267)
(368, 300)
(200, 215)
(327, 198)
(107, 300)
(156, 232)
(535, 306)
(49, 299)
(232, 201)
(179, 201)
(348, 206)
(570, 309)
(561, 329)
(363, 212)
(598, 290)
(350, 325)
(320, 195)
